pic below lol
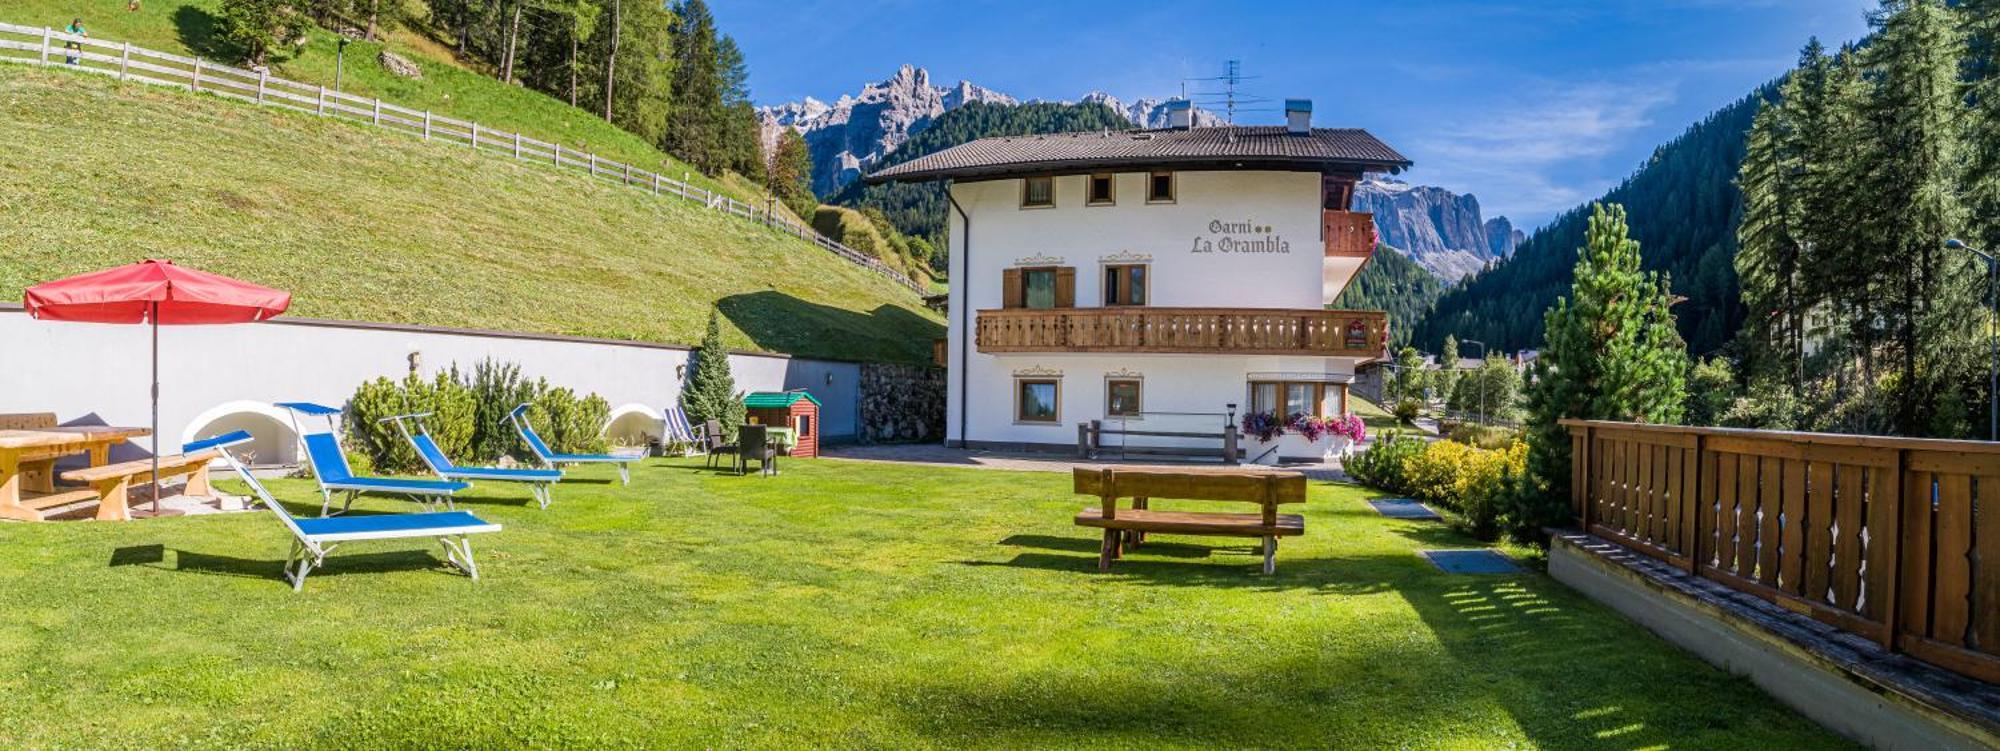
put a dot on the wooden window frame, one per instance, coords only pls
(1320, 389)
(1173, 186)
(1025, 205)
(1090, 193)
(1105, 271)
(1021, 382)
(1139, 397)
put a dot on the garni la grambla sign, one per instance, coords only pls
(1245, 237)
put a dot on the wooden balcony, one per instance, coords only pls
(1235, 331)
(1349, 234)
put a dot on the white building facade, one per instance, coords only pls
(1168, 281)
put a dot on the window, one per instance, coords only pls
(1160, 188)
(1298, 398)
(1121, 397)
(1037, 400)
(1102, 192)
(1125, 285)
(1038, 287)
(1038, 192)
(805, 426)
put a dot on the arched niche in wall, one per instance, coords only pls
(275, 443)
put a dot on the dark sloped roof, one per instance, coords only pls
(1230, 147)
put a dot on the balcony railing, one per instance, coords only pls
(1241, 331)
(1349, 234)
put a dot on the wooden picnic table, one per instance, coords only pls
(27, 465)
(1127, 528)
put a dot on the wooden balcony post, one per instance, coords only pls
(1697, 554)
(1892, 610)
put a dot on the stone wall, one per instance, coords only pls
(901, 404)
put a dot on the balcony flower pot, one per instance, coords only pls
(1302, 438)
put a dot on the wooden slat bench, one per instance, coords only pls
(113, 481)
(1125, 528)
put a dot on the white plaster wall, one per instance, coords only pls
(76, 369)
(1004, 235)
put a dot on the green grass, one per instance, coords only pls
(188, 27)
(363, 224)
(836, 605)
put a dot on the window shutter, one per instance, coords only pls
(1066, 287)
(1011, 295)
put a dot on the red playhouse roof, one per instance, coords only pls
(127, 294)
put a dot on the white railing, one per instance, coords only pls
(45, 46)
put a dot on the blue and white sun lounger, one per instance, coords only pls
(555, 461)
(674, 420)
(330, 468)
(313, 539)
(538, 480)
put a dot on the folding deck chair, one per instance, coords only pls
(675, 423)
(329, 467)
(555, 461)
(313, 539)
(537, 480)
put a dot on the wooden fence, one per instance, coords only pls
(1894, 539)
(45, 46)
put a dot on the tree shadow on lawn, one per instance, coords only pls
(200, 31)
(779, 322)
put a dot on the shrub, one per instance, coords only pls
(1478, 485)
(377, 438)
(569, 424)
(1491, 437)
(1381, 464)
(1408, 410)
(497, 388)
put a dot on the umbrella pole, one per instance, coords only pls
(155, 320)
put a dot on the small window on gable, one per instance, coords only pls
(1102, 191)
(1038, 192)
(1160, 187)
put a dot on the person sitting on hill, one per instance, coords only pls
(75, 27)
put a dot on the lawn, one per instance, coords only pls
(839, 604)
(368, 225)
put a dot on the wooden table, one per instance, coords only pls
(1127, 528)
(27, 465)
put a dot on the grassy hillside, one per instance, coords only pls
(369, 225)
(188, 27)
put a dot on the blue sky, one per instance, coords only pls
(1533, 106)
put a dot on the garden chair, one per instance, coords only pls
(313, 539)
(330, 468)
(754, 442)
(539, 481)
(554, 460)
(714, 443)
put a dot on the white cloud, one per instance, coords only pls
(1525, 160)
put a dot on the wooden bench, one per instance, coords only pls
(1128, 527)
(113, 481)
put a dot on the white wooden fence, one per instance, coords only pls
(46, 46)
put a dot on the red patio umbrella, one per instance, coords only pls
(154, 292)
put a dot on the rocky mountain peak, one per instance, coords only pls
(1441, 230)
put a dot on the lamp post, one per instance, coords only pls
(339, 61)
(1993, 340)
(1480, 384)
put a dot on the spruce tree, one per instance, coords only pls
(1447, 372)
(710, 392)
(1916, 111)
(1613, 353)
(696, 119)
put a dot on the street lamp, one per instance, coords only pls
(1480, 384)
(1993, 365)
(339, 61)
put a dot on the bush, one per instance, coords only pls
(1479, 485)
(469, 417)
(374, 436)
(1408, 410)
(1490, 437)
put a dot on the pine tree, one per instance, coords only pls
(1613, 353)
(1916, 115)
(1768, 248)
(790, 173)
(1447, 372)
(710, 393)
(696, 119)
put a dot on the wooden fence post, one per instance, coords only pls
(517, 144)
(196, 85)
(656, 183)
(1699, 502)
(48, 35)
(322, 100)
(427, 125)
(263, 82)
(378, 111)
(593, 164)
(1892, 611)
(125, 61)
(475, 136)
(555, 149)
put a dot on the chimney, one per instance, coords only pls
(1298, 116)
(1180, 114)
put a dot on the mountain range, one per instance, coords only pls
(851, 135)
(1442, 231)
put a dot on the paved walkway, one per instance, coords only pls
(934, 454)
